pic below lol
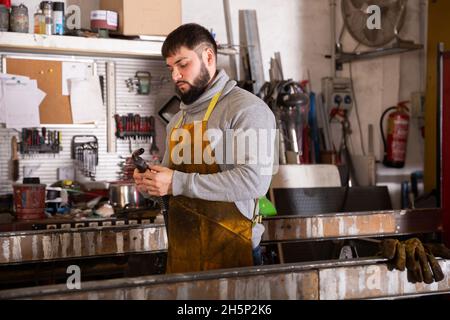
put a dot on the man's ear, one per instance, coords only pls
(209, 56)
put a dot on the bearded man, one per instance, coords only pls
(213, 220)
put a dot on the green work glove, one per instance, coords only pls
(416, 257)
(266, 207)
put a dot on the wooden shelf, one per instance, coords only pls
(27, 42)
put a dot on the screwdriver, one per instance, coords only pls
(44, 132)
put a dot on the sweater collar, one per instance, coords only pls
(221, 82)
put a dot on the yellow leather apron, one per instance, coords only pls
(205, 235)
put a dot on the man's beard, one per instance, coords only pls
(196, 89)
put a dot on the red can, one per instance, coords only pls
(29, 201)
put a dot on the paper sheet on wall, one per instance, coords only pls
(5, 77)
(13, 77)
(21, 102)
(2, 103)
(86, 100)
(74, 70)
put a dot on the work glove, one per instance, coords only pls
(419, 259)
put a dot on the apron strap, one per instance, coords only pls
(177, 126)
(211, 107)
(257, 218)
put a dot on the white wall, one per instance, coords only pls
(300, 31)
(284, 26)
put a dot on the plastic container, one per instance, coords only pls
(29, 201)
(58, 18)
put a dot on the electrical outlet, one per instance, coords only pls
(30, 171)
(66, 173)
(417, 104)
(338, 94)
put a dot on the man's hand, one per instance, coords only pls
(139, 181)
(156, 182)
(418, 259)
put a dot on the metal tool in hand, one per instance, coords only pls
(142, 166)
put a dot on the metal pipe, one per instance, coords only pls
(439, 123)
(423, 11)
(230, 38)
(111, 106)
(183, 280)
(333, 37)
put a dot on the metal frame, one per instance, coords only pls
(339, 57)
(251, 65)
(230, 38)
(328, 280)
(110, 106)
(48, 245)
(352, 225)
(443, 138)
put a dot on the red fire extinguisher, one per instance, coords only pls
(397, 135)
(6, 3)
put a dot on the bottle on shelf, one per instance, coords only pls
(39, 22)
(47, 8)
(58, 18)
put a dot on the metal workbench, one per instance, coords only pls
(355, 279)
(335, 279)
(127, 236)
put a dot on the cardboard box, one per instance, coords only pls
(149, 17)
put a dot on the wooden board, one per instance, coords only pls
(55, 109)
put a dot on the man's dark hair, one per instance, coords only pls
(189, 35)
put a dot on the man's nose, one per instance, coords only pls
(176, 75)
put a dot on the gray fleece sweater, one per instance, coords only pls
(240, 181)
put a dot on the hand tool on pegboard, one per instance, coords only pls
(14, 160)
(136, 127)
(85, 151)
(43, 141)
